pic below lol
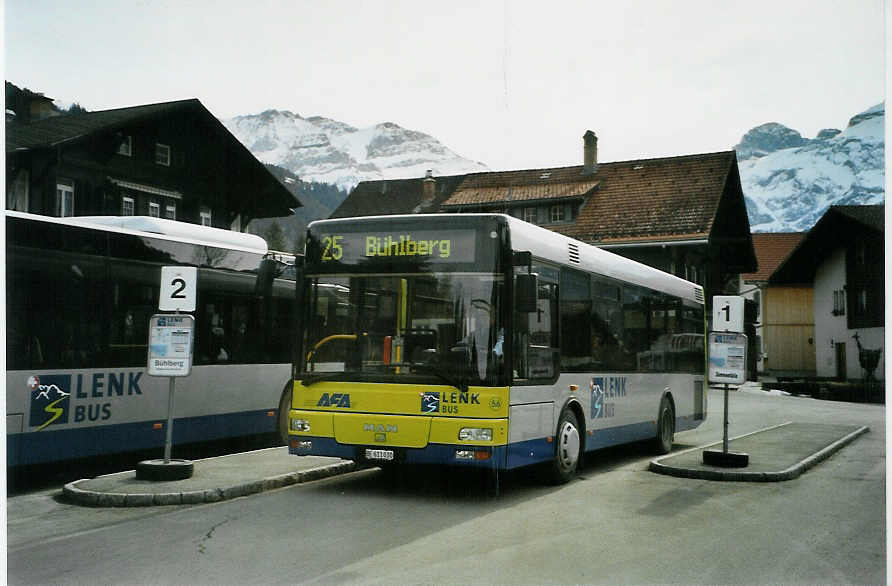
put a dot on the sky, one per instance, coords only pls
(511, 84)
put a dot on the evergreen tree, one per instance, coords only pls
(275, 237)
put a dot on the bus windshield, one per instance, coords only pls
(442, 326)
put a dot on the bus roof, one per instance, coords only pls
(563, 250)
(160, 227)
(573, 253)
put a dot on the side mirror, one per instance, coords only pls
(525, 292)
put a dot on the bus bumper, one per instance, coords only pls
(388, 439)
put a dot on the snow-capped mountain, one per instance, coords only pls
(327, 151)
(790, 181)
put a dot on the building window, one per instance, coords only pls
(126, 147)
(839, 302)
(64, 199)
(128, 206)
(205, 215)
(162, 154)
(17, 196)
(757, 297)
(530, 215)
(154, 209)
(557, 213)
(861, 253)
(170, 211)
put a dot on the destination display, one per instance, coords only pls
(453, 246)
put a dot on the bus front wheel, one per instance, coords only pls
(284, 408)
(567, 448)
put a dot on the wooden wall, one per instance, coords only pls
(788, 331)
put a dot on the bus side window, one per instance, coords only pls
(576, 337)
(606, 325)
(134, 291)
(536, 334)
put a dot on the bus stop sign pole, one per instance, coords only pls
(168, 440)
(727, 365)
(170, 344)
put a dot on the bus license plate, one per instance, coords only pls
(379, 455)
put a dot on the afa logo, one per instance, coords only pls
(50, 400)
(341, 400)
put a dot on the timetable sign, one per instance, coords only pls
(170, 345)
(727, 358)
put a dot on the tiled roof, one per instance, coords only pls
(771, 250)
(647, 200)
(395, 196)
(671, 198)
(58, 129)
(514, 186)
(676, 197)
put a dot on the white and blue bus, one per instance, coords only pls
(482, 340)
(79, 295)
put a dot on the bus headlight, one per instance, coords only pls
(475, 434)
(300, 425)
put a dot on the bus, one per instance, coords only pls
(482, 340)
(79, 295)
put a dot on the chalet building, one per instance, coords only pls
(23, 105)
(842, 258)
(784, 314)
(685, 215)
(171, 160)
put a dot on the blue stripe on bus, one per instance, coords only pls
(514, 455)
(48, 446)
(613, 436)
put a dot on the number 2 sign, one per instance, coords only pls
(178, 288)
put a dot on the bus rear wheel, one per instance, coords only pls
(567, 448)
(665, 427)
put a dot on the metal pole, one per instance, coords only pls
(725, 434)
(169, 439)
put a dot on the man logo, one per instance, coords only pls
(50, 400)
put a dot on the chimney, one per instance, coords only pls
(590, 154)
(428, 188)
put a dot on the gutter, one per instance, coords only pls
(663, 243)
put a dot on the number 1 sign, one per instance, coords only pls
(178, 288)
(727, 313)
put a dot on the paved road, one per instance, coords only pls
(618, 523)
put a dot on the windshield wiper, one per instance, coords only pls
(460, 384)
(312, 379)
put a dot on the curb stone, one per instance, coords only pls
(76, 495)
(737, 476)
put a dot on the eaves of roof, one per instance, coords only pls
(58, 130)
(836, 228)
